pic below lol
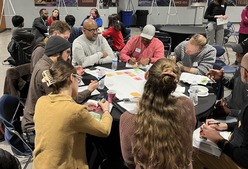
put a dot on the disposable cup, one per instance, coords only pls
(111, 95)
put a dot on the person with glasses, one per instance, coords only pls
(232, 104)
(61, 124)
(195, 55)
(143, 49)
(94, 14)
(89, 48)
(56, 49)
(234, 150)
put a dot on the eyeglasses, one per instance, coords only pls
(243, 68)
(79, 78)
(92, 30)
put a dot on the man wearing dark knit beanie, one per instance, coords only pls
(57, 48)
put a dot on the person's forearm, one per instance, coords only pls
(189, 69)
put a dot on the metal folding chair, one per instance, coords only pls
(10, 110)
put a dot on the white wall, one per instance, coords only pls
(157, 15)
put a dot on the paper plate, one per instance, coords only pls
(202, 91)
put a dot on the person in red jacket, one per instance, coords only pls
(114, 33)
(53, 17)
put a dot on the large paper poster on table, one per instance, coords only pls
(163, 2)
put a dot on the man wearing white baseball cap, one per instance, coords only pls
(144, 48)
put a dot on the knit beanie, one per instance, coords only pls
(56, 44)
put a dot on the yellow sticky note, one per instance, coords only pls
(132, 75)
(119, 73)
(109, 74)
(135, 94)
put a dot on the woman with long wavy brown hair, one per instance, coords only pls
(159, 136)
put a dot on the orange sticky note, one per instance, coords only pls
(119, 73)
(135, 94)
(109, 74)
(132, 75)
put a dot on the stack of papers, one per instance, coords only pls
(207, 145)
(190, 78)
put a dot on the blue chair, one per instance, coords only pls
(10, 111)
(220, 51)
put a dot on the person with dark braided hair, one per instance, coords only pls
(114, 33)
(160, 134)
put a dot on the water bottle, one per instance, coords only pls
(193, 93)
(100, 74)
(114, 63)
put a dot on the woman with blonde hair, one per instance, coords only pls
(159, 136)
(61, 124)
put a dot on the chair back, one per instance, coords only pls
(166, 40)
(17, 81)
(219, 50)
(10, 108)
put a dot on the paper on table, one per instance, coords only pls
(221, 21)
(138, 66)
(82, 88)
(207, 145)
(97, 114)
(129, 106)
(190, 78)
(132, 78)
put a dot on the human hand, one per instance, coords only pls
(93, 85)
(80, 70)
(90, 106)
(104, 54)
(218, 127)
(180, 65)
(104, 104)
(214, 74)
(132, 61)
(144, 61)
(211, 133)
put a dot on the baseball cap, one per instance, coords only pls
(148, 32)
(241, 48)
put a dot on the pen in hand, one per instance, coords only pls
(210, 123)
(101, 78)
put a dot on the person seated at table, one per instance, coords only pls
(75, 31)
(39, 27)
(235, 150)
(90, 49)
(143, 49)
(94, 14)
(232, 104)
(160, 134)
(58, 28)
(61, 124)
(195, 55)
(57, 48)
(126, 32)
(53, 17)
(114, 33)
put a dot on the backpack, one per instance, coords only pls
(18, 54)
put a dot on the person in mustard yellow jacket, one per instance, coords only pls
(61, 124)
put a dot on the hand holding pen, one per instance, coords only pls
(216, 125)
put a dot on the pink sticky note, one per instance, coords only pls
(137, 78)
